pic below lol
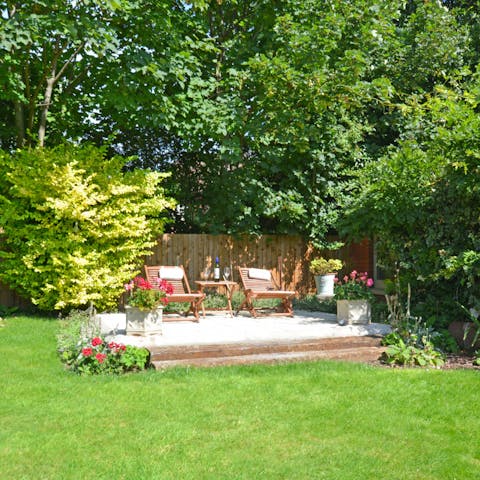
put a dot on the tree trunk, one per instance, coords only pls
(19, 124)
(43, 114)
(51, 81)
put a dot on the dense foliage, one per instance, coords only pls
(261, 108)
(75, 226)
(422, 198)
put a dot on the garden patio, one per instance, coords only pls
(219, 339)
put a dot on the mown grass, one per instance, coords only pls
(321, 420)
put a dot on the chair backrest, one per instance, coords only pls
(174, 275)
(256, 279)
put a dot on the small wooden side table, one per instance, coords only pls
(229, 286)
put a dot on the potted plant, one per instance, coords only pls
(144, 309)
(354, 296)
(325, 271)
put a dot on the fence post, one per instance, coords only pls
(280, 272)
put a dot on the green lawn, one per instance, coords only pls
(320, 420)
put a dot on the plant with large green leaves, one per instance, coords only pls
(75, 227)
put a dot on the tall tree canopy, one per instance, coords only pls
(78, 64)
(302, 96)
(261, 109)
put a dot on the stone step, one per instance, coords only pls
(359, 349)
(361, 355)
(268, 346)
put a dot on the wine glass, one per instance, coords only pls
(226, 273)
(206, 273)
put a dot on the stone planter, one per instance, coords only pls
(353, 312)
(144, 322)
(325, 284)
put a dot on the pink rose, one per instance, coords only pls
(370, 282)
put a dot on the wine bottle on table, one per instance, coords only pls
(216, 270)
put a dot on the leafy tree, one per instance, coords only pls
(71, 67)
(421, 199)
(74, 225)
(287, 117)
(50, 46)
(262, 109)
(302, 96)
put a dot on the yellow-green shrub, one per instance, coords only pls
(75, 224)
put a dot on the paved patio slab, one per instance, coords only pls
(219, 328)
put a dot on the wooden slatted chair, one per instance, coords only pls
(181, 288)
(258, 284)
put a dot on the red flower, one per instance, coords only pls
(167, 287)
(116, 347)
(86, 352)
(142, 284)
(100, 357)
(96, 341)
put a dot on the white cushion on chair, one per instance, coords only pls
(170, 273)
(259, 273)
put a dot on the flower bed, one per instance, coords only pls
(84, 351)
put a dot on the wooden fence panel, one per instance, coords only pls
(287, 256)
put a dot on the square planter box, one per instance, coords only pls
(353, 312)
(142, 322)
